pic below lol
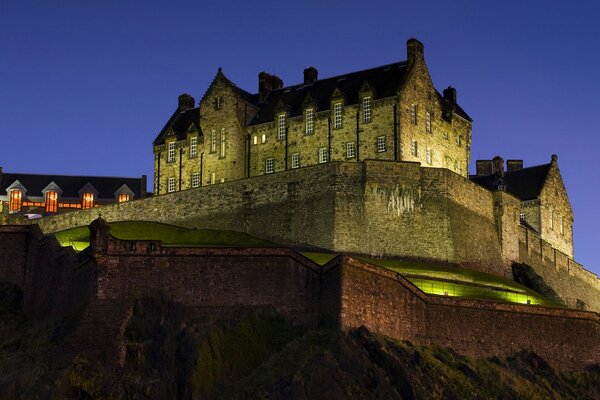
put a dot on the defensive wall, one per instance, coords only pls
(381, 208)
(104, 281)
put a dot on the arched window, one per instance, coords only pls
(15, 200)
(51, 202)
(88, 200)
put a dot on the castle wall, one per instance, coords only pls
(13, 253)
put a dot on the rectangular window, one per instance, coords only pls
(195, 179)
(15, 201)
(413, 114)
(51, 202)
(281, 127)
(222, 180)
(445, 134)
(522, 219)
(350, 150)
(171, 185)
(255, 139)
(193, 147)
(323, 155)
(269, 166)
(562, 225)
(296, 160)
(551, 219)
(222, 143)
(123, 197)
(213, 178)
(366, 103)
(458, 140)
(337, 115)
(310, 121)
(414, 148)
(427, 122)
(88, 200)
(213, 141)
(171, 152)
(428, 156)
(381, 144)
(264, 138)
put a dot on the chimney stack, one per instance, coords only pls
(514, 165)
(450, 95)
(267, 83)
(186, 102)
(498, 165)
(310, 75)
(483, 167)
(414, 50)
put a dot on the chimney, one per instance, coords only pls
(310, 75)
(483, 167)
(143, 184)
(266, 83)
(414, 50)
(498, 165)
(186, 102)
(514, 165)
(450, 95)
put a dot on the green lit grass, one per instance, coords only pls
(169, 235)
(319, 258)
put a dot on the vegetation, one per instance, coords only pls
(319, 258)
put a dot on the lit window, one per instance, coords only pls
(193, 147)
(51, 202)
(123, 197)
(213, 141)
(296, 160)
(427, 122)
(381, 144)
(195, 179)
(310, 121)
(323, 155)
(263, 139)
(350, 150)
(88, 200)
(551, 219)
(15, 201)
(269, 166)
(562, 225)
(281, 127)
(414, 148)
(255, 139)
(428, 156)
(222, 180)
(366, 109)
(413, 114)
(213, 178)
(222, 143)
(171, 153)
(337, 115)
(171, 185)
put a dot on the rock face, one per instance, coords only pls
(259, 355)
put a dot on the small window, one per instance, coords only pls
(88, 200)
(222, 180)
(562, 225)
(51, 202)
(414, 148)
(269, 166)
(171, 153)
(213, 178)
(195, 179)
(15, 201)
(310, 121)
(223, 143)
(429, 156)
(366, 103)
(350, 150)
(255, 139)
(281, 127)
(213, 141)
(295, 160)
(551, 219)
(193, 147)
(458, 140)
(218, 103)
(413, 114)
(123, 197)
(171, 185)
(522, 219)
(322, 155)
(337, 115)
(263, 138)
(381, 144)
(427, 122)
(445, 135)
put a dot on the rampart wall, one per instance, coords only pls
(13, 253)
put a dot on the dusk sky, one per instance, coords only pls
(85, 86)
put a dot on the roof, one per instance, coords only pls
(180, 122)
(71, 185)
(525, 183)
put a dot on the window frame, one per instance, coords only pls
(323, 155)
(171, 185)
(367, 109)
(15, 200)
(223, 146)
(429, 156)
(87, 200)
(171, 152)
(428, 122)
(381, 145)
(123, 197)
(413, 114)
(414, 148)
(295, 160)
(337, 115)
(193, 147)
(213, 141)
(195, 181)
(281, 127)
(309, 121)
(269, 165)
(51, 201)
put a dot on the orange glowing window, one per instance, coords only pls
(88, 200)
(15, 201)
(51, 202)
(123, 197)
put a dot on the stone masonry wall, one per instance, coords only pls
(13, 253)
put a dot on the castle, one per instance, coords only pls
(366, 163)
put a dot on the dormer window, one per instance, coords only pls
(123, 197)
(337, 115)
(171, 152)
(51, 201)
(310, 125)
(366, 105)
(16, 198)
(88, 200)
(281, 127)
(124, 194)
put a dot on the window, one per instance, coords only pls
(171, 185)
(269, 166)
(255, 139)
(350, 150)
(522, 219)
(213, 178)
(427, 122)
(222, 180)
(217, 103)
(322, 155)
(193, 147)
(264, 138)
(88, 200)
(562, 225)
(458, 140)
(310, 121)
(337, 115)
(281, 127)
(445, 134)
(414, 148)
(195, 179)
(381, 144)
(551, 219)
(428, 156)
(51, 202)
(171, 153)
(222, 143)
(123, 197)
(366, 103)
(15, 201)
(296, 160)
(413, 114)
(213, 141)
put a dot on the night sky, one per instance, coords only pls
(85, 86)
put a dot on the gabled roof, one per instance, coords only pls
(179, 123)
(71, 185)
(526, 183)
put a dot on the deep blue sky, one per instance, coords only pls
(86, 85)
